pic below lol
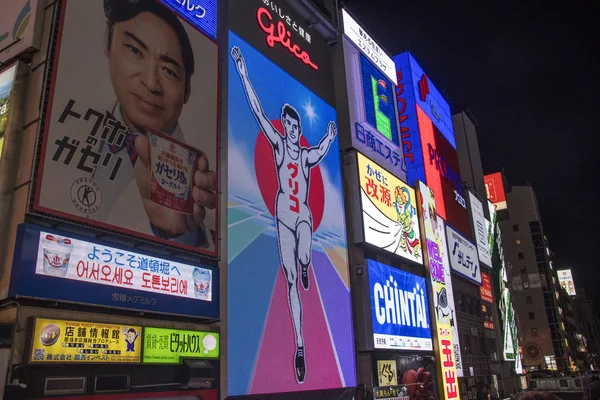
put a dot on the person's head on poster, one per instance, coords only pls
(150, 61)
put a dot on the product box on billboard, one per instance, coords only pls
(49, 264)
(96, 166)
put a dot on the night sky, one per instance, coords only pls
(528, 71)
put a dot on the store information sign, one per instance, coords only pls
(64, 342)
(463, 255)
(486, 288)
(368, 46)
(443, 298)
(389, 207)
(170, 346)
(481, 230)
(69, 258)
(400, 311)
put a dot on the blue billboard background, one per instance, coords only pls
(434, 104)
(25, 282)
(384, 274)
(202, 14)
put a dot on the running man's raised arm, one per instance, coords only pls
(318, 152)
(257, 110)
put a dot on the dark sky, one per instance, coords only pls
(529, 72)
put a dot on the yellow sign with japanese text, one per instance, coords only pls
(59, 341)
(389, 208)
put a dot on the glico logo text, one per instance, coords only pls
(448, 174)
(281, 36)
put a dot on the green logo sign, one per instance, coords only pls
(169, 346)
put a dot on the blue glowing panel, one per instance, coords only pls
(427, 96)
(202, 14)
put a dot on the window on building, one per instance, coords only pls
(520, 255)
(525, 284)
(516, 228)
(461, 302)
(534, 332)
(518, 242)
(523, 269)
(531, 315)
(469, 304)
(528, 300)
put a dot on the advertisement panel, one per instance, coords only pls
(54, 265)
(449, 357)
(170, 346)
(405, 376)
(201, 14)
(20, 27)
(99, 164)
(565, 278)
(368, 46)
(399, 309)
(389, 211)
(505, 308)
(443, 175)
(485, 290)
(426, 95)
(7, 78)
(494, 188)
(373, 118)
(65, 342)
(286, 229)
(463, 255)
(481, 229)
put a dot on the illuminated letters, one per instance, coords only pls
(281, 36)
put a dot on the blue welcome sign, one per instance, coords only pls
(400, 311)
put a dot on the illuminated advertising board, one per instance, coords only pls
(399, 307)
(463, 255)
(494, 188)
(20, 27)
(449, 357)
(485, 290)
(480, 229)
(55, 265)
(67, 342)
(372, 111)
(171, 346)
(202, 14)
(425, 95)
(565, 278)
(506, 313)
(389, 211)
(287, 247)
(122, 154)
(368, 46)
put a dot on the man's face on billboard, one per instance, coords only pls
(147, 73)
(292, 128)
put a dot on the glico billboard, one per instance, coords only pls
(287, 247)
(428, 141)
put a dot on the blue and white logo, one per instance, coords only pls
(400, 311)
(202, 14)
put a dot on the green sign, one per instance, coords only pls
(170, 346)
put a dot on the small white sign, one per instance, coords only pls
(368, 46)
(463, 255)
(481, 230)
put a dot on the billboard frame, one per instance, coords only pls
(34, 207)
